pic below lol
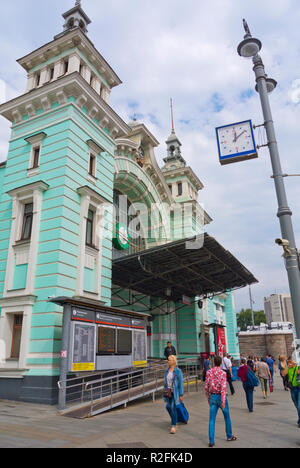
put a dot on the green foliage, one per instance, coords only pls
(244, 318)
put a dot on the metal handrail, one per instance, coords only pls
(149, 379)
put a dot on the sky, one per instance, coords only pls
(187, 50)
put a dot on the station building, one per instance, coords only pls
(86, 213)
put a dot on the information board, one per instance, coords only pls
(124, 341)
(106, 340)
(139, 348)
(84, 346)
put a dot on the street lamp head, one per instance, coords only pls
(271, 85)
(249, 47)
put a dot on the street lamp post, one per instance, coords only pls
(249, 48)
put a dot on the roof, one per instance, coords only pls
(172, 270)
(96, 305)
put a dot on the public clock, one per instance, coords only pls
(236, 142)
(121, 238)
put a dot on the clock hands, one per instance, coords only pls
(236, 137)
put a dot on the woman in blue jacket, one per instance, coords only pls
(173, 382)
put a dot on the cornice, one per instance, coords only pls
(72, 85)
(185, 171)
(141, 128)
(74, 38)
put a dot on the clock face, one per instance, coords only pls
(236, 140)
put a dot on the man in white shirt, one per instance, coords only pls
(227, 367)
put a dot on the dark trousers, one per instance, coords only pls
(249, 396)
(230, 383)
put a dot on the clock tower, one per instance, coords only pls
(56, 195)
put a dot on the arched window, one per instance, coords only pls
(70, 23)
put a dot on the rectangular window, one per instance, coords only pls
(179, 187)
(51, 73)
(92, 165)
(66, 66)
(36, 157)
(90, 228)
(16, 336)
(38, 79)
(27, 221)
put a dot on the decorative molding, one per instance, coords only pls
(95, 147)
(36, 138)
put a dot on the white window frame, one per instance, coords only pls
(36, 143)
(90, 200)
(31, 193)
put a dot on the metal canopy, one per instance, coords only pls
(172, 271)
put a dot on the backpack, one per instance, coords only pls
(252, 380)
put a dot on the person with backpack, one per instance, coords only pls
(173, 390)
(249, 381)
(293, 371)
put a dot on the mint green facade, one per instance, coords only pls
(64, 167)
(87, 153)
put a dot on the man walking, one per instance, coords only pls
(270, 362)
(292, 371)
(227, 367)
(169, 350)
(215, 389)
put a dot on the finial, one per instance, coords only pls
(246, 27)
(172, 117)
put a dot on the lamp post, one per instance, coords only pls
(249, 48)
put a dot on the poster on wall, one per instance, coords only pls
(221, 341)
(139, 348)
(83, 347)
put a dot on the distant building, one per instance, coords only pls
(278, 308)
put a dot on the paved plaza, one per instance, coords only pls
(146, 424)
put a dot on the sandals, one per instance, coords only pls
(232, 439)
(173, 430)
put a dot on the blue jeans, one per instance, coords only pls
(215, 403)
(295, 394)
(173, 411)
(249, 396)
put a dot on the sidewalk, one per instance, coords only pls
(146, 424)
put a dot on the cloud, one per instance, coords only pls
(187, 51)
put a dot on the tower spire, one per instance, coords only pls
(172, 116)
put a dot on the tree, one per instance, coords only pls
(244, 318)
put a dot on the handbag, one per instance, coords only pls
(168, 392)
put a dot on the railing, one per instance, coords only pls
(94, 393)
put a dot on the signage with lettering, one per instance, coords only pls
(112, 319)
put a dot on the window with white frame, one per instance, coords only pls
(23, 245)
(92, 164)
(35, 152)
